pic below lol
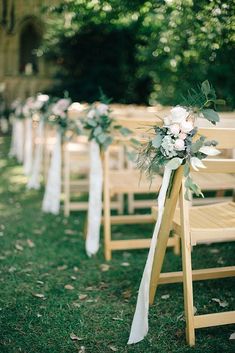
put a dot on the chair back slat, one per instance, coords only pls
(224, 136)
(218, 166)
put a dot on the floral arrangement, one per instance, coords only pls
(16, 109)
(100, 124)
(56, 114)
(177, 142)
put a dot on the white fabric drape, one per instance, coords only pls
(95, 200)
(19, 139)
(51, 199)
(28, 147)
(4, 125)
(139, 327)
(34, 180)
(13, 148)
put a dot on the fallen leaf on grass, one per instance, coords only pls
(62, 268)
(165, 296)
(76, 305)
(70, 232)
(82, 296)
(76, 269)
(37, 231)
(82, 349)
(126, 294)
(214, 251)
(19, 247)
(73, 278)
(30, 243)
(74, 337)
(69, 287)
(113, 348)
(104, 267)
(221, 303)
(125, 264)
(40, 282)
(39, 295)
(90, 288)
(232, 336)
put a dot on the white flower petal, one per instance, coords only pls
(196, 163)
(209, 150)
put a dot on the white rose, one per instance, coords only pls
(186, 126)
(174, 129)
(178, 114)
(179, 145)
(102, 108)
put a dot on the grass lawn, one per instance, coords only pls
(50, 289)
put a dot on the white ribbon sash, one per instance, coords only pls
(4, 125)
(51, 199)
(139, 327)
(28, 147)
(95, 200)
(34, 182)
(19, 139)
(12, 152)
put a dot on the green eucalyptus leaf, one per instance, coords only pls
(220, 102)
(125, 131)
(101, 138)
(97, 131)
(157, 141)
(186, 169)
(195, 147)
(211, 115)
(91, 122)
(205, 87)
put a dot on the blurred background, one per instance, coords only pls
(137, 51)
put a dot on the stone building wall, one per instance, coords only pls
(21, 30)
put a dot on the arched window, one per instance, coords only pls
(30, 39)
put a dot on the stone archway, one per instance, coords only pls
(30, 37)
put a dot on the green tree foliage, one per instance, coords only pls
(142, 51)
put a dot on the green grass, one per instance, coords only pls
(102, 320)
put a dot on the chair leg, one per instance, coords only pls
(120, 199)
(159, 254)
(187, 269)
(107, 208)
(130, 200)
(176, 248)
(66, 183)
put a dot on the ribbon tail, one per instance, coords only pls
(34, 182)
(139, 327)
(95, 200)
(28, 147)
(51, 199)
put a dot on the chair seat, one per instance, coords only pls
(130, 180)
(210, 223)
(214, 181)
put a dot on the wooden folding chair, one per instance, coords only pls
(76, 168)
(127, 181)
(197, 225)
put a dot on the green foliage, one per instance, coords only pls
(141, 51)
